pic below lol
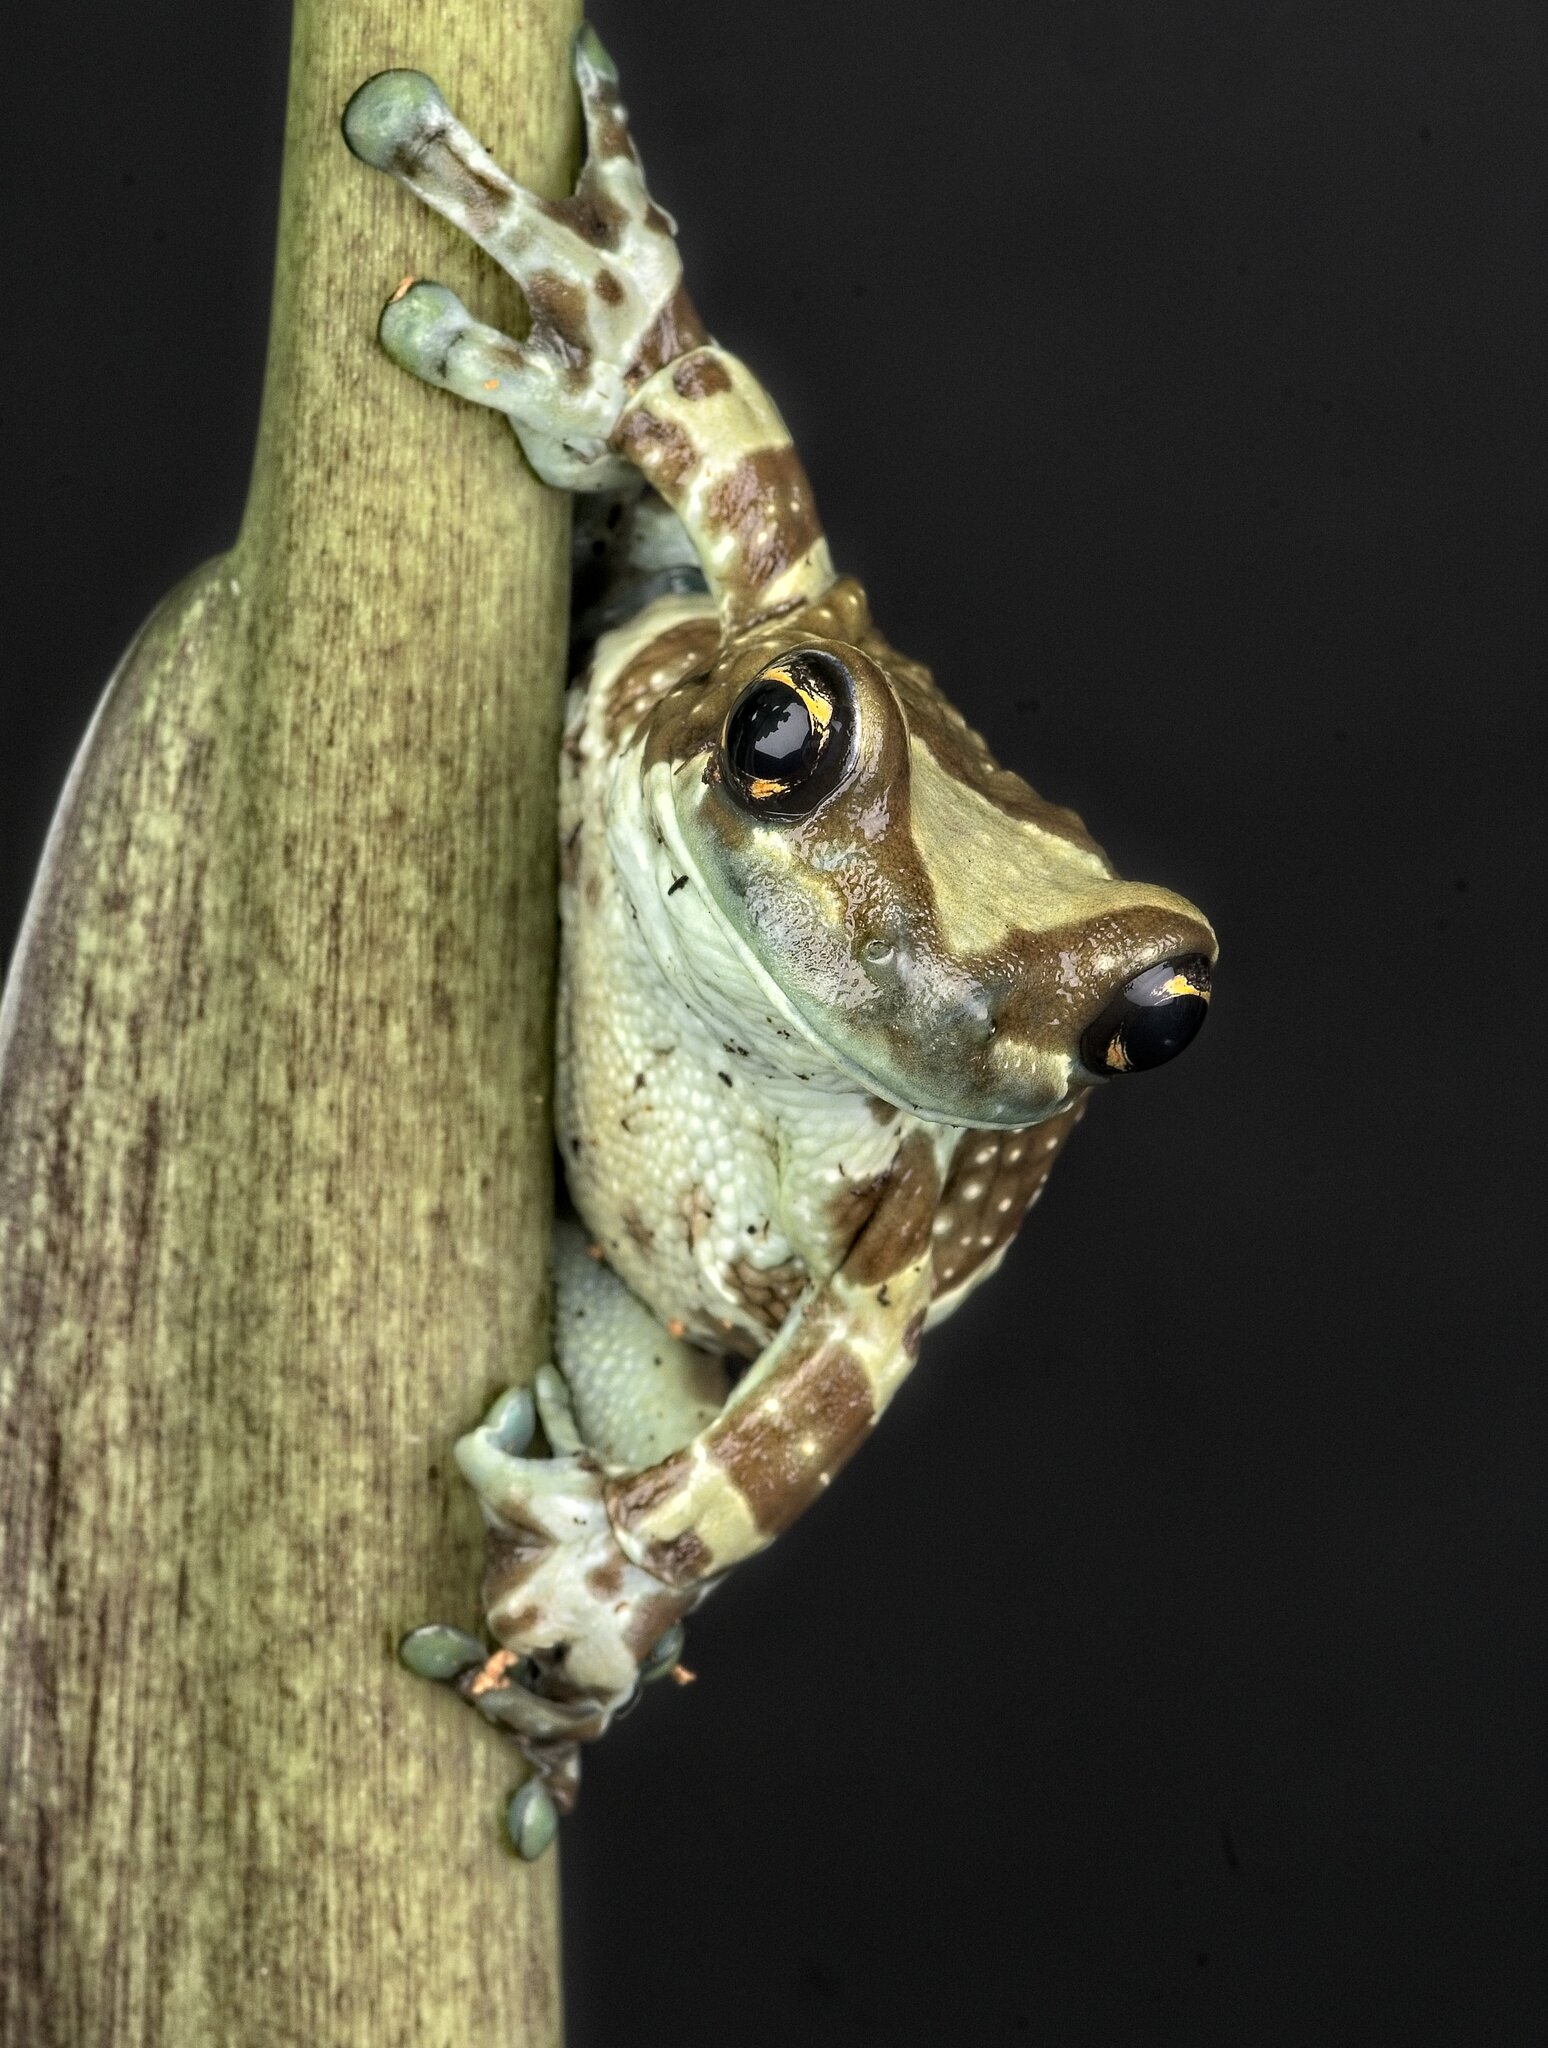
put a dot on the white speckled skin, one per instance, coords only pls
(821, 1034)
(710, 1141)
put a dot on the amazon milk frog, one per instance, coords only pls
(834, 986)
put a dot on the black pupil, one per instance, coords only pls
(773, 737)
(1151, 1019)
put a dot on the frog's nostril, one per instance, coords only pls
(1152, 1017)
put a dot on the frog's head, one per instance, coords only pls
(958, 946)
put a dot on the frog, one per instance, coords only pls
(834, 986)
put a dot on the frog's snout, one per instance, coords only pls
(1152, 1018)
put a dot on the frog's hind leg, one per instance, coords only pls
(599, 270)
(626, 1387)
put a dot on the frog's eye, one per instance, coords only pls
(789, 739)
(1150, 1019)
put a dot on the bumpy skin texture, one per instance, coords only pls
(816, 1058)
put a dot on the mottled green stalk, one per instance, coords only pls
(274, 1181)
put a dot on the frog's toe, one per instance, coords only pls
(548, 1498)
(426, 329)
(557, 1411)
(512, 1419)
(440, 1652)
(607, 125)
(595, 70)
(512, 1703)
(612, 166)
(663, 1655)
(531, 1819)
(420, 325)
(390, 118)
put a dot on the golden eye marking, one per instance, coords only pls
(819, 706)
(1180, 985)
(819, 709)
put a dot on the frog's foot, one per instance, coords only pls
(578, 1615)
(500, 1686)
(600, 271)
(561, 1591)
(548, 1733)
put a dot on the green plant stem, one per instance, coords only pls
(275, 1180)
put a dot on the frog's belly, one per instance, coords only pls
(674, 1169)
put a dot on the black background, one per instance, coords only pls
(1169, 1669)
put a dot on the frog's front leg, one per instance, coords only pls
(803, 1408)
(617, 370)
(580, 1624)
(600, 272)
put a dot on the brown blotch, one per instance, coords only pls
(559, 1763)
(765, 503)
(559, 306)
(825, 1401)
(592, 213)
(883, 1111)
(1057, 977)
(636, 1496)
(701, 375)
(606, 1580)
(899, 1228)
(670, 657)
(484, 198)
(607, 288)
(660, 448)
(850, 1207)
(610, 135)
(696, 1213)
(517, 1625)
(675, 330)
(682, 1562)
(640, 1232)
(913, 1334)
(648, 1621)
(993, 1179)
(570, 856)
(510, 1558)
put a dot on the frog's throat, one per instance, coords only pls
(697, 943)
